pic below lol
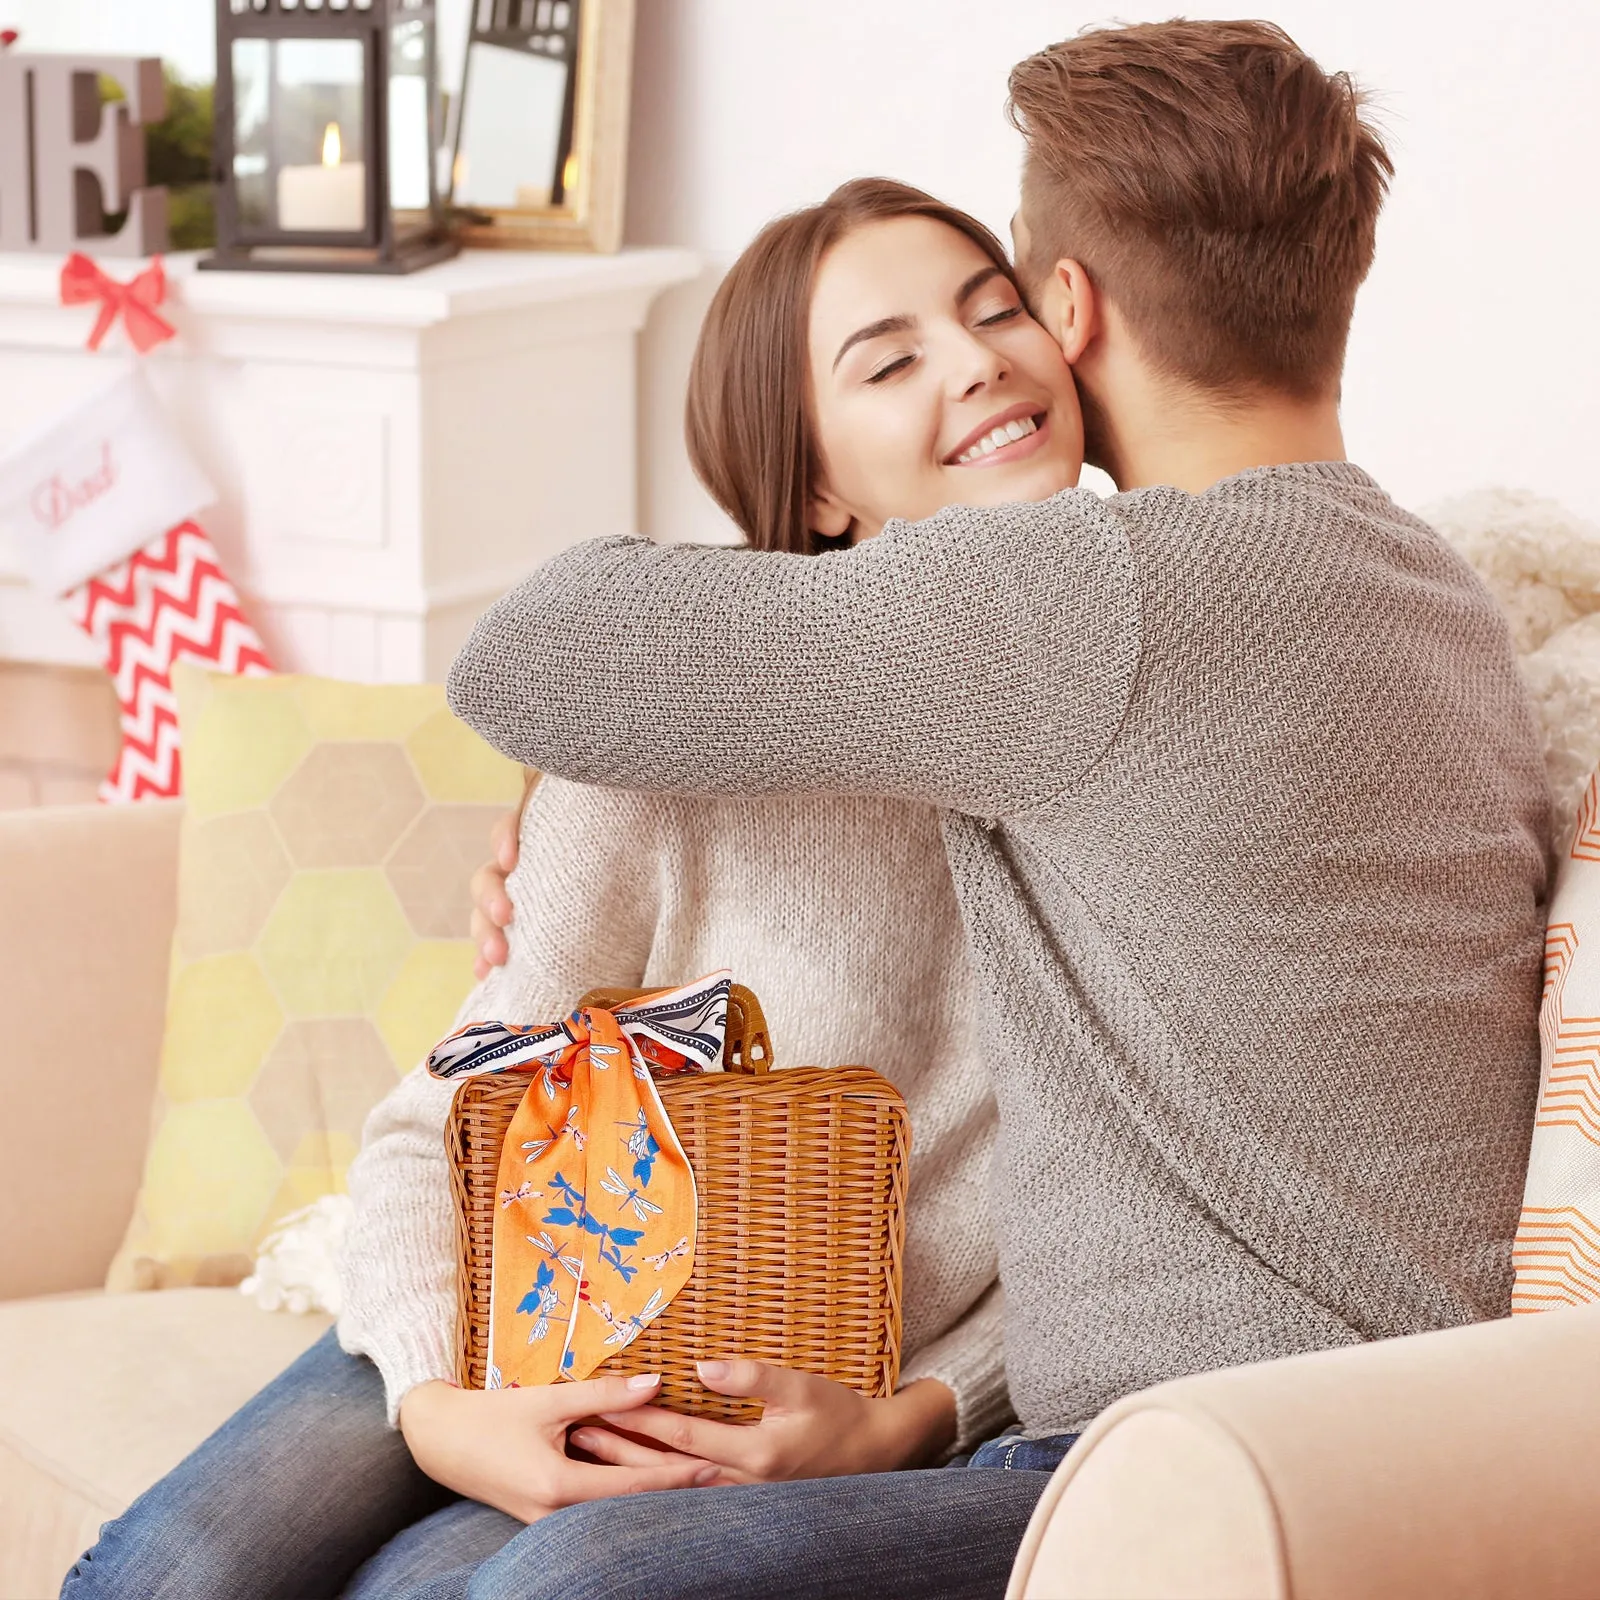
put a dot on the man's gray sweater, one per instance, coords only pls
(1246, 812)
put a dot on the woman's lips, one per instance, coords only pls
(1017, 450)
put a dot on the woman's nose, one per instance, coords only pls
(976, 365)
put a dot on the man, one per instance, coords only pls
(1253, 885)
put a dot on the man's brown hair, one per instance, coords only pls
(1220, 189)
(748, 419)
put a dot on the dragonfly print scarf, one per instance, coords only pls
(594, 1226)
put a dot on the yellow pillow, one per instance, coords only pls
(329, 833)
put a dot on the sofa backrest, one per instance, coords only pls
(88, 902)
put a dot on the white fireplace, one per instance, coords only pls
(390, 453)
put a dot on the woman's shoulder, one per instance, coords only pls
(552, 799)
(853, 842)
(669, 819)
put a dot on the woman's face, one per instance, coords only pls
(931, 385)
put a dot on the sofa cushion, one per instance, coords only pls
(101, 1395)
(329, 836)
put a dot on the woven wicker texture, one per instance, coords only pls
(801, 1176)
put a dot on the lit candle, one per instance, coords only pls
(330, 198)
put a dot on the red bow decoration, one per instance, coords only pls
(82, 281)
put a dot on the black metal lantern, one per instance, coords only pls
(327, 137)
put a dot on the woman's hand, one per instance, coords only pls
(491, 905)
(507, 1447)
(811, 1427)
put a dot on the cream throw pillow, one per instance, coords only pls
(329, 833)
(1557, 1251)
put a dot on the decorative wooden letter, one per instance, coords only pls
(67, 161)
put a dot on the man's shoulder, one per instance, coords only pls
(1332, 502)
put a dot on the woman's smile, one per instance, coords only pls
(1011, 435)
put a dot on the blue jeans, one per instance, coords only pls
(307, 1493)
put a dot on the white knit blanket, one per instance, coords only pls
(296, 1269)
(1542, 564)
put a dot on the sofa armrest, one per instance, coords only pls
(86, 919)
(1459, 1463)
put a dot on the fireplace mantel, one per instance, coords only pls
(390, 452)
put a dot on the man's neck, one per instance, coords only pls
(1191, 442)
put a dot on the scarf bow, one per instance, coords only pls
(594, 1225)
(135, 301)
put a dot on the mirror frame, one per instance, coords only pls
(599, 145)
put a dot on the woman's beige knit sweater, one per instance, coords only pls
(841, 915)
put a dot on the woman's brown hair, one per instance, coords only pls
(751, 436)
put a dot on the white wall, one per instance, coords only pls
(1475, 357)
(1476, 352)
(181, 31)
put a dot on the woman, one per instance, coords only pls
(866, 359)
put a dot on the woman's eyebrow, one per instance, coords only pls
(976, 282)
(875, 330)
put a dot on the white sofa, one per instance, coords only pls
(1462, 1464)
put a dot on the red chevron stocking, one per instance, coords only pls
(168, 602)
(101, 503)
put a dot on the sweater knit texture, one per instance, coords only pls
(1244, 805)
(841, 915)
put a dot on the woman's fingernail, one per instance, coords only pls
(705, 1475)
(583, 1438)
(713, 1371)
(644, 1380)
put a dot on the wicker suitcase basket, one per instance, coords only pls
(801, 1176)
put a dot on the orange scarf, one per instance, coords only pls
(595, 1227)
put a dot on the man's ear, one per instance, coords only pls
(829, 516)
(1073, 307)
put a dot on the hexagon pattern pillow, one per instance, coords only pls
(329, 835)
(1557, 1249)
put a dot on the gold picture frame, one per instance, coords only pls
(591, 219)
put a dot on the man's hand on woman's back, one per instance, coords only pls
(491, 904)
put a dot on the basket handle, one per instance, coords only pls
(746, 1047)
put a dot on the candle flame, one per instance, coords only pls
(569, 173)
(330, 145)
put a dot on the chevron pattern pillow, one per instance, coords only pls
(1557, 1250)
